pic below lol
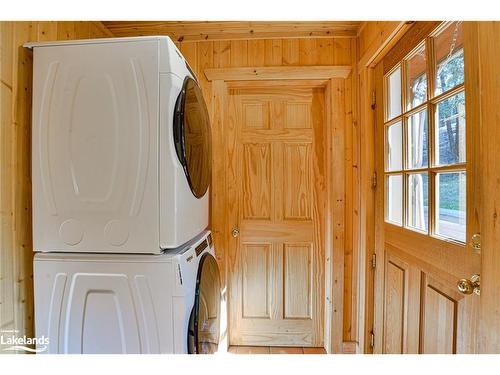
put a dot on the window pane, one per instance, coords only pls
(418, 144)
(394, 199)
(450, 137)
(394, 146)
(449, 55)
(450, 205)
(416, 79)
(418, 201)
(394, 94)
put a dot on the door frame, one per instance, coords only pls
(332, 78)
(387, 35)
(485, 54)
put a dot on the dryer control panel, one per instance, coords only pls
(202, 246)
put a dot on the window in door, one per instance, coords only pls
(425, 158)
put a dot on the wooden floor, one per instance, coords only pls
(274, 350)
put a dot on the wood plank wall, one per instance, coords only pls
(16, 291)
(195, 31)
(16, 251)
(374, 39)
(489, 82)
(293, 52)
(15, 141)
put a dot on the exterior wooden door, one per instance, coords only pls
(276, 196)
(427, 198)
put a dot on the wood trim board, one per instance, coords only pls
(193, 31)
(278, 73)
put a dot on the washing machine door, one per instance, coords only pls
(192, 137)
(204, 324)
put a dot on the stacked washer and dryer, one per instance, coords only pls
(121, 168)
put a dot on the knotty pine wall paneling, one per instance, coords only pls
(374, 39)
(15, 142)
(16, 248)
(290, 52)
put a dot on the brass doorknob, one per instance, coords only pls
(469, 286)
(235, 232)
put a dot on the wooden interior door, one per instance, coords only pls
(418, 307)
(276, 190)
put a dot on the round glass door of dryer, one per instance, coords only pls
(192, 137)
(204, 324)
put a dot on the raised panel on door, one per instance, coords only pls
(297, 181)
(396, 285)
(276, 281)
(446, 318)
(298, 115)
(297, 262)
(439, 322)
(255, 280)
(256, 177)
(255, 114)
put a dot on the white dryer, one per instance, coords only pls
(120, 147)
(129, 303)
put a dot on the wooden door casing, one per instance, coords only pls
(277, 153)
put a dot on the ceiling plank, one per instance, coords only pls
(233, 30)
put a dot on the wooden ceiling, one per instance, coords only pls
(226, 30)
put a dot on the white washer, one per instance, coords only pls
(120, 146)
(125, 303)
